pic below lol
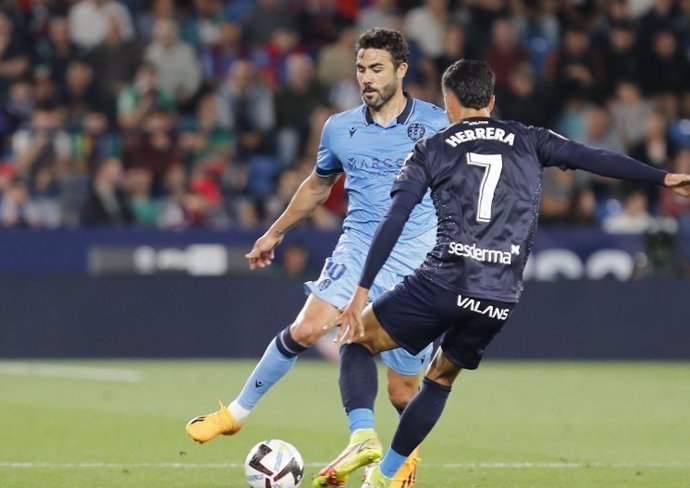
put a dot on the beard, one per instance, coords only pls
(376, 99)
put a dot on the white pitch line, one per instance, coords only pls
(69, 372)
(486, 465)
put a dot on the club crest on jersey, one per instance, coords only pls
(415, 131)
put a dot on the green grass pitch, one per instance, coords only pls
(103, 424)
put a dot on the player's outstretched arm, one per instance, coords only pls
(313, 191)
(679, 183)
(556, 150)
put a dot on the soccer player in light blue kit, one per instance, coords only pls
(369, 144)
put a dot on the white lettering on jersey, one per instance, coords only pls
(491, 133)
(477, 307)
(482, 255)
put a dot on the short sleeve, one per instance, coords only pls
(327, 164)
(414, 175)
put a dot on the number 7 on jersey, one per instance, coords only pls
(493, 165)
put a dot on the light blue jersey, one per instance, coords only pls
(371, 157)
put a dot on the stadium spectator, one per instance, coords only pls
(630, 112)
(576, 62)
(558, 192)
(379, 13)
(204, 186)
(505, 53)
(155, 147)
(202, 27)
(57, 51)
(658, 18)
(599, 131)
(142, 98)
(426, 25)
(94, 142)
(218, 58)
(207, 138)
(583, 209)
(145, 211)
(635, 217)
(522, 100)
(320, 23)
(479, 17)
(14, 59)
(295, 260)
(454, 47)
(115, 62)
(336, 60)
(107, 203)
(18, 107)
(538, 29)
(79, 94)
(159, 10)
(655, 149)
(294, 103)
(266, 17)
(179, 208)
(621, 60)
(272, 59)
(571, 120)
(178, 71)
(665, 57)
(16, 207)
(250, 105)
(42, 144)
(46, 92)
(89, 19)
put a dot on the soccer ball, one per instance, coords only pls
(274, 464)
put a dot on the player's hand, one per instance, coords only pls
(263, 252)
(679, 183)
(350, 320)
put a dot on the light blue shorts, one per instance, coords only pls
(338, 279)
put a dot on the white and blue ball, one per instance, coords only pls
(274, 464)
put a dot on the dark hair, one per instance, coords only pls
(471, 81)
(389, 40)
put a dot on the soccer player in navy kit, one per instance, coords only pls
(485, 181)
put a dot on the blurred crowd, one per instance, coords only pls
(186, 113)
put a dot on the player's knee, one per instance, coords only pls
(443, 376)
(306, 331)
(402, 391)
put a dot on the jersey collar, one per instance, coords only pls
(404, 116)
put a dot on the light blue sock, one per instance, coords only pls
(391, 462)
(360, 418)
(271, 368)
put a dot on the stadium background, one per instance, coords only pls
(128, 199)
(146, 144)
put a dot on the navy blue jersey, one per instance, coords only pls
(485, 177)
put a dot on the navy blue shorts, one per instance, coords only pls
(417, 312)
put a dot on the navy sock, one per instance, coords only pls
(420, 416)
(358, 382)
(287, 345)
